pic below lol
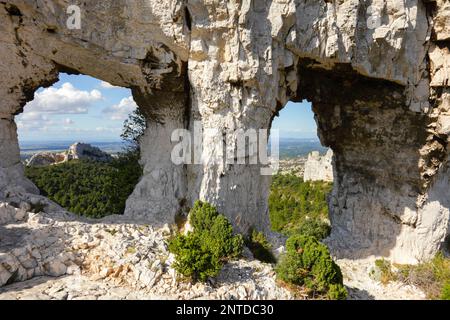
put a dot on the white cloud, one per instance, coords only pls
(32, 125)
(93, 130)
(53, 101)
(74, 129)
(64, 100)
(38, 122)
(105, 129)
(107, 85)
(68, 121)
(122, 110)
(33, 116)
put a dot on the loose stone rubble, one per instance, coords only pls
(107, 256)
(61, 256)
(362, 287)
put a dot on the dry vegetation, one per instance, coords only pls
(432, 277)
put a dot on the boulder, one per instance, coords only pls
(84, 151)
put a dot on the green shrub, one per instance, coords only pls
(314, 228)
(431, 276)
(202, 216)
(337, 292)
(298, 206)
(445, 294)
(200, 254)
(193, 258)
(215, 230)
(88, 188)
(291, 269)
(259, 246)
(220, 239)
(307, 262)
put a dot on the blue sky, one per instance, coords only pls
(296, 120)
(76, 108)
(82, 108)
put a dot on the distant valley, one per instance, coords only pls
(27, 149)
(293, 148)
(288, 148)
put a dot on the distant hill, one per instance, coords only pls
(293, 148)
(28, 148)
(289, 147)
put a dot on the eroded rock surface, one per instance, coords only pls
(377, 77)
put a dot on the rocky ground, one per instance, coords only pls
(60, 256)
(89, 258)
(362, 287)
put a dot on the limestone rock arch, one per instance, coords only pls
(376, 73)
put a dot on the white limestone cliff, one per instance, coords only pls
(45, 158)
(77, 151)
(377, 78)
(319, 168)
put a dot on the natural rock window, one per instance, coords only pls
(79, 143)
(298, 200)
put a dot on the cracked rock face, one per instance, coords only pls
(378, 78)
